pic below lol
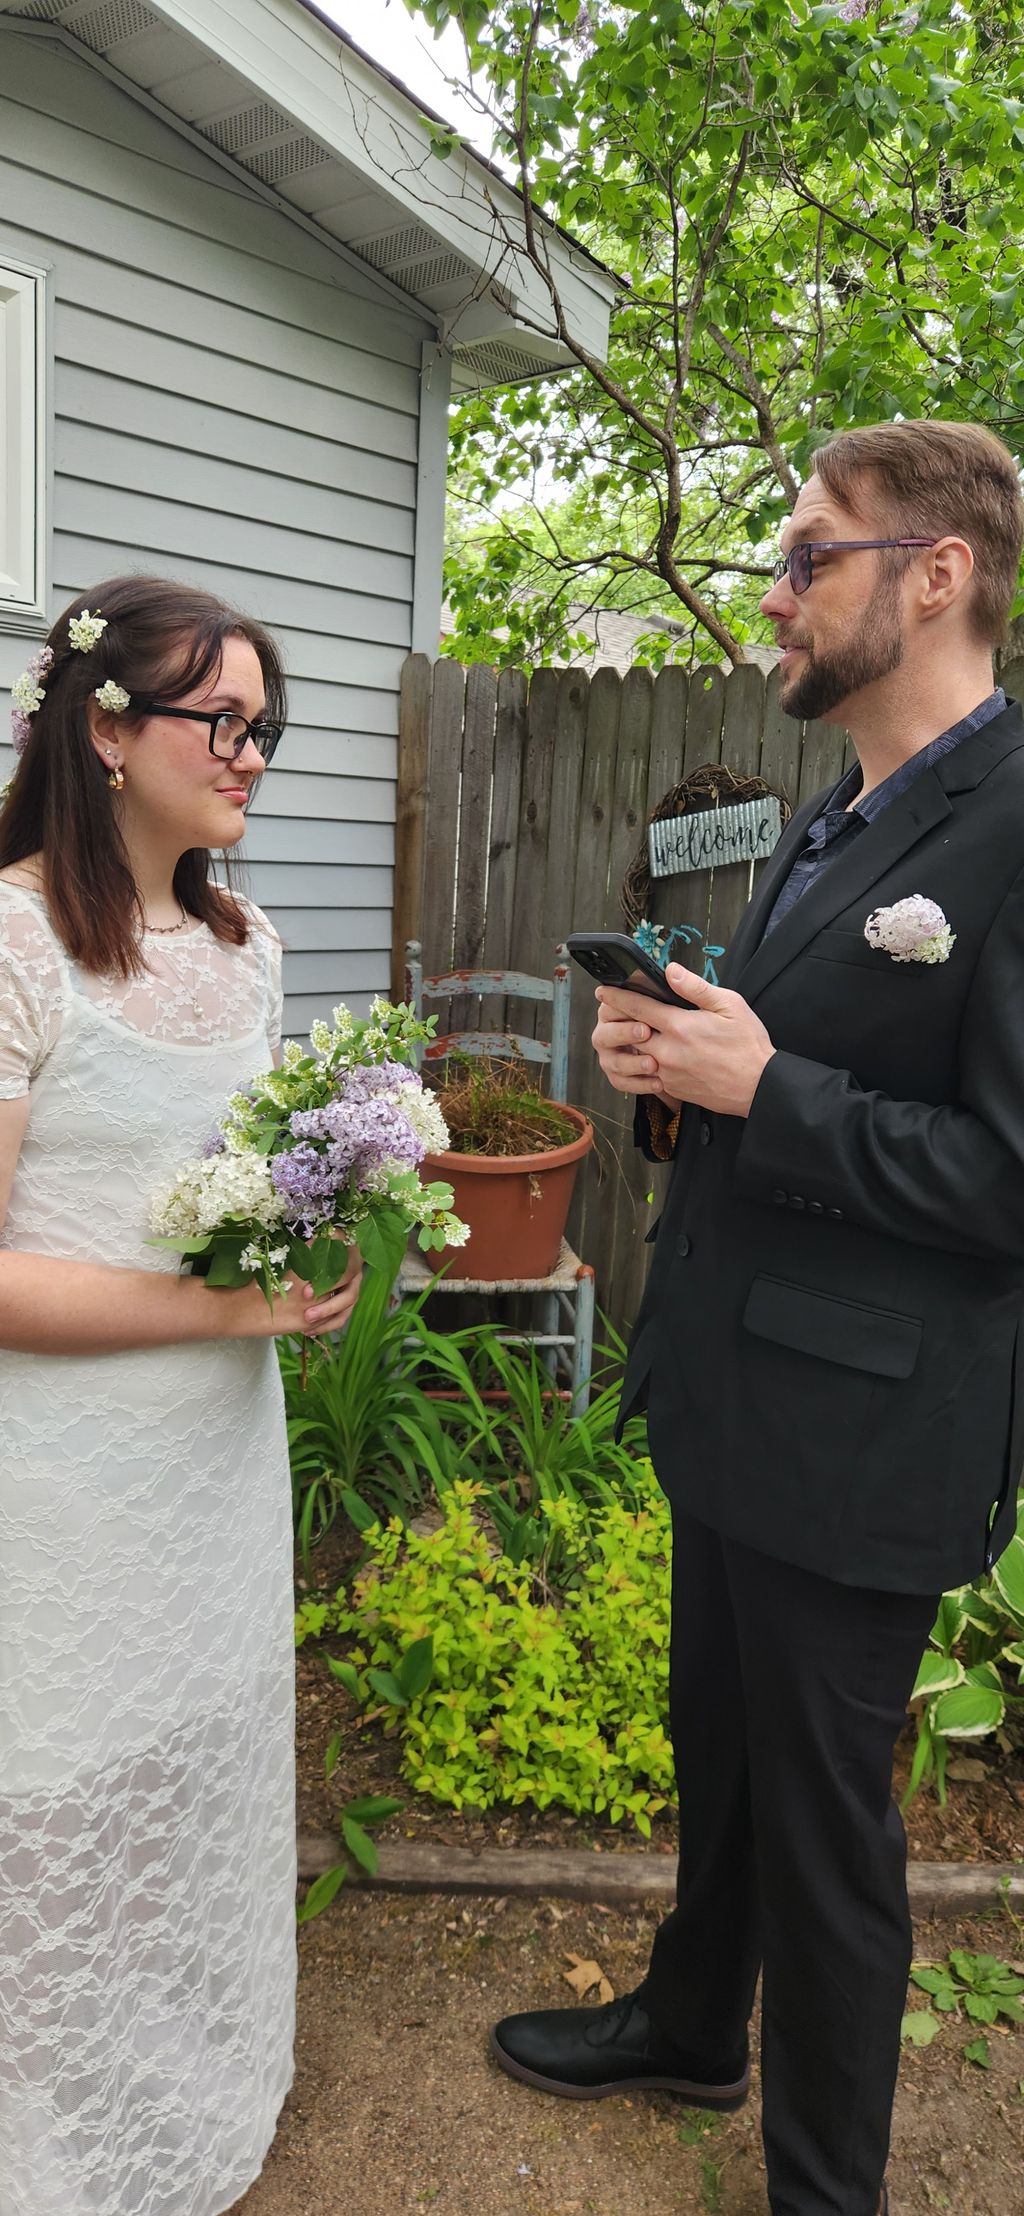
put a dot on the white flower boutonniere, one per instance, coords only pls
(912, 930)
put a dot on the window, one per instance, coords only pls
(22, 447)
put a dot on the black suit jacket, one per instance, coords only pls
(830, 1344)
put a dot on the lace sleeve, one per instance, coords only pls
(271, 951)
(31, 991)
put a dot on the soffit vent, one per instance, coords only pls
(109, 24)
(287, 160)
(245, 127)
(415, 258)
(398, 246)
(40, 11)
(497, 363)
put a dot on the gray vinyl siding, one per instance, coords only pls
(237, 405)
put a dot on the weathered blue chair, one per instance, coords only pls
(566, 1295)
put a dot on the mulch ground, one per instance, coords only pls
(398, 2110)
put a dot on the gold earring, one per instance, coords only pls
(116, 779)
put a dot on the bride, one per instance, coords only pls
(147, 1838)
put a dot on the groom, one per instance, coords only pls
(830, 1345)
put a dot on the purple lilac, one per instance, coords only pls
(21, 730)
(306, 1182)
(216, 1145)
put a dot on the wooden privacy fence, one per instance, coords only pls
(522, 800)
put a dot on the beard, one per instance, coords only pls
(829, 678)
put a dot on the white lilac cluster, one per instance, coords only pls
(29, 690)
(85, 631)
(207, 1191)
(912, 930)
(28, 693)
(112, 696)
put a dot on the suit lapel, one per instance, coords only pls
(773, 876)
(850, 877)
(754, 960)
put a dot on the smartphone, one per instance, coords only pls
(615, 959)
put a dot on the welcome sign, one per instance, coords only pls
(713, 838)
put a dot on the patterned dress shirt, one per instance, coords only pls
(838, 822)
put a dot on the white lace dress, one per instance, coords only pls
(147, 1837)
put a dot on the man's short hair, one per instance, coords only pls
(937, 479)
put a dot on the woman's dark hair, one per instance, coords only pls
(162, 640)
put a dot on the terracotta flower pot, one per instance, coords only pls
(514, 1204)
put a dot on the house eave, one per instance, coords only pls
(281, 98)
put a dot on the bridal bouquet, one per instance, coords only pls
(326, 1148)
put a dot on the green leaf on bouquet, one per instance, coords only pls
(326, 1261)
(225, 1268)
(381, 1241)
(184, 1246)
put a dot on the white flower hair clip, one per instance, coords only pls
(912, 930)
(112, 696)
(86, 630)
(28, 693)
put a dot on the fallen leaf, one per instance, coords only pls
(584, 1976)
(967, 1770)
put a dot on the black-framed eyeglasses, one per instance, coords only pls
(229, 732)
(800, 559)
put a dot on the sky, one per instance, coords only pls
(386, 31)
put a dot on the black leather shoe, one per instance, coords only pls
(586, 2053)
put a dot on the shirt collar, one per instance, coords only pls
(905, 772)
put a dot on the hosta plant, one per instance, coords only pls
(973, 1666)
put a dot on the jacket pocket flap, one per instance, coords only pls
(843, 1331)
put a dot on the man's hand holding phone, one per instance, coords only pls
(712, 1049)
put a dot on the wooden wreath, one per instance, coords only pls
(710, 786)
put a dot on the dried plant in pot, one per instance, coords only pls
(512, 1164)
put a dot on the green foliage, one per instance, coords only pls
(491, 1107)
(560, 1704)
(362, 1433)
(815, 212)
(973, 1666)
(366, 1436)
(410, 1679)
(973, 1988)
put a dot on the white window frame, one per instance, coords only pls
(23, 444)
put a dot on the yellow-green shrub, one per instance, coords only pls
(560, 1703)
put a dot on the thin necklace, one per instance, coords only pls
(167, 930)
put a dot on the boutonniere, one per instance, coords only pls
(912, 930)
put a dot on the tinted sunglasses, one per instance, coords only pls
(800, 559)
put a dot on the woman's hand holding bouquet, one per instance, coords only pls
(323, 1150)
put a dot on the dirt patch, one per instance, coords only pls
(983, 1820)
(397, 2109)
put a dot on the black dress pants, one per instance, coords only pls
(788, 1692)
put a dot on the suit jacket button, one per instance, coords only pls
(780, 1198)
(815, 1208)
(684, 1246)
(796, 1200)
(836, 1214)
(705, 1134)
